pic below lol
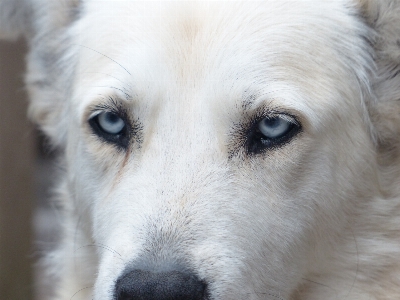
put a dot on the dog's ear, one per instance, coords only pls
(29, 17)
(383, 16)
(15, 18)
(44, 24)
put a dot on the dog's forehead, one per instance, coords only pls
(199, 44)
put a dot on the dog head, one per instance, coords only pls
(214, 150)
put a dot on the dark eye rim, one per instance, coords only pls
(120, 140)
(256, 143)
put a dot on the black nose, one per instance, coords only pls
(146, 285)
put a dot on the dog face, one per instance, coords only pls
(185, 153)
(221, 150)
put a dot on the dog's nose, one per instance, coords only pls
(146, 285)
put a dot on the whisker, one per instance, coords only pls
(355, 277)
(358, 262)
(85, 288)
(324, 285)
(76, 237)
(100, 246)
(104, 56)
(113, 87)
(104, 74)
(269, 294)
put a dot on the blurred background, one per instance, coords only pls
(28, 221)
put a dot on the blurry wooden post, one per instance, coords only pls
(16, 173)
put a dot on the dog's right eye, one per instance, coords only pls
(110, 127)
(271, 132)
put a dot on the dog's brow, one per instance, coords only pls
(248, 102)
(127, 95)
(104, 56)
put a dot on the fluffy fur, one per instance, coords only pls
(316, 218)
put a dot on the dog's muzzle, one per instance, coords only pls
(147, 285)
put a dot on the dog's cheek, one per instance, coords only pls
(295, 202)
(92, 167)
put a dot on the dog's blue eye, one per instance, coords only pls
(110, 123)
(275, 127)
(112, 127)
(271, 132)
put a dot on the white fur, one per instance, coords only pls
(318, 218)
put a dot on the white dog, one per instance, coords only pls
(220, 150)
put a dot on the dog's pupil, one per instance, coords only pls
(273, 122)
(112, 118)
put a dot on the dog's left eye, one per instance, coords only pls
(110, 123)
(271, 132)
(110, 127)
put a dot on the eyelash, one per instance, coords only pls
(247, 139)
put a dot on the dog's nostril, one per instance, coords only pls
(146, 285)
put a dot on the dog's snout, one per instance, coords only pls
(147, 285)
